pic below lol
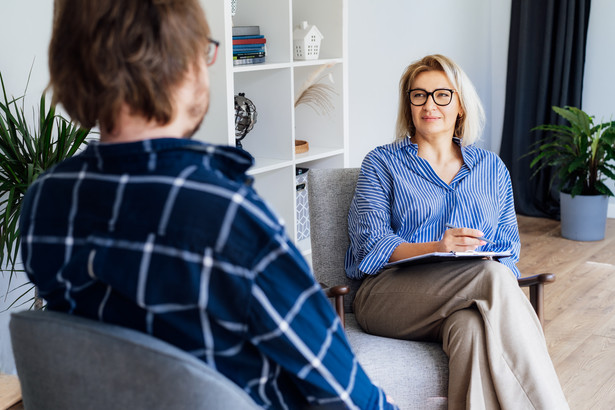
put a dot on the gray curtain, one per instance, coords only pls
(546, 57)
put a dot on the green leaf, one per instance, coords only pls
(28, 147)
(581, 152)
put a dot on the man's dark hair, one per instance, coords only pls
(104, 53)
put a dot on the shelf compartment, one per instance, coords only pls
(276, 30)
(329, 23)
(273, 186)
(325, 131)
(270, 92)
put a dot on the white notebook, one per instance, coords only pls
(449, 256)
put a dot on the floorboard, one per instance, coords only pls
(579, 308)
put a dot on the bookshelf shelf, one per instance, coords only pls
(272, 87)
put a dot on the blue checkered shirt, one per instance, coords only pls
(399, 198)
(167, 236)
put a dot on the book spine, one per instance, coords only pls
(245, 61)
(249, 41)
(244, 56)
(246, 30)
(247, 46)
(250, 53)
(247, 37)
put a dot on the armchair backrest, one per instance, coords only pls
(330, 192)
(69, 362)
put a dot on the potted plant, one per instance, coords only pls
(583, 153)
(26, 150)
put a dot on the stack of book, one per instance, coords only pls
(249, 46)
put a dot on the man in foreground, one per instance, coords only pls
(150, 230)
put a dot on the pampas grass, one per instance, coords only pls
(316, 94)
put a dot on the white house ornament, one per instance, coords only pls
(306, 41)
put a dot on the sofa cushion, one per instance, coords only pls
(414, 374)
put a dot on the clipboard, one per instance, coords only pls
(448, 256)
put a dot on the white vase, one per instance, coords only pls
(583, 217)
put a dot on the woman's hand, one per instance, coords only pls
(454, 239)
(460, 240)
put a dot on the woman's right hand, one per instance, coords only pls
(453, 240)
(460, 240)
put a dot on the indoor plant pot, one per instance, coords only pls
(583, 217)
(583, 154)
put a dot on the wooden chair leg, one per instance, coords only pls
(537, 300)
(339, 308)
(337, 293)
(536, 285)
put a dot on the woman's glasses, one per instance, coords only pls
(441, 96)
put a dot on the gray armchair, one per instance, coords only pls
(414, 374)
(71, 363)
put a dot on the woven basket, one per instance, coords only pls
(301, 146)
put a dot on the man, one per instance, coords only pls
(150, 230)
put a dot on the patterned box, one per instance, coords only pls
(303, 210)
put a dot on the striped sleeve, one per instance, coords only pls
(372, 239)
(507, 233)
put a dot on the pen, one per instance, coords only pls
(482, 238)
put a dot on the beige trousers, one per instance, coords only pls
(497, 353)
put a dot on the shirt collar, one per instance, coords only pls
(227, 158)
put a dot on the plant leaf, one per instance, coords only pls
(25, 152)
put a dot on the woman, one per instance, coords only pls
(408, 192)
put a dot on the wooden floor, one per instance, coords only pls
(579, 308)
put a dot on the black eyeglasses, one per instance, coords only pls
(212, 51)
(441, 96)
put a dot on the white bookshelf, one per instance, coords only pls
(272, 86)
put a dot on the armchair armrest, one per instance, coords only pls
(536, 285)
(337, 293)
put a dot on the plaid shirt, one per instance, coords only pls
(167, 236)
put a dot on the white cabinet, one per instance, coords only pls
(272, 86)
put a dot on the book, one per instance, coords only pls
(243, 56)
(244, 61)
(247, 37)
(246, 30)
(240, 41)
(239, 47)
(448, 256)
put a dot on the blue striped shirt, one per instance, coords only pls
(399, 198)
(168, 237)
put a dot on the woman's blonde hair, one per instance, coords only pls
(469, 126)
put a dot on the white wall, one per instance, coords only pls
(385, 37)
(25, 28)
(599, 81)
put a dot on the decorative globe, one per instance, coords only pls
(245, 117)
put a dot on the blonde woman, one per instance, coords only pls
(407, 195)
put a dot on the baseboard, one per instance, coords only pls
(611, 212)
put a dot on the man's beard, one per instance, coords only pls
(190, 133)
